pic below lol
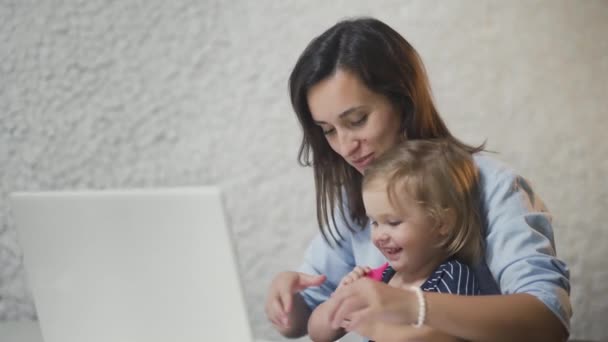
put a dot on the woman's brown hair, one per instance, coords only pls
(387, 64)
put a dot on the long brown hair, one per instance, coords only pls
(387, 64)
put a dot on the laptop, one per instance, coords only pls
(138, 265)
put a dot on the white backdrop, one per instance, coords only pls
(98, 94)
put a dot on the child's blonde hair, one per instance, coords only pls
(443, 178)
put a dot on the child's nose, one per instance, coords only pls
(382, 236)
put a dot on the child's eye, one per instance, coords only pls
(393, 223)
(374, 223)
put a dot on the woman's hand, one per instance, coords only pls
(283, 308)
(357, 273)
(380, 312)
(357, 306)
(319, 326)
(387, 332)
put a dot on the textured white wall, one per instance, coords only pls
(98, 94)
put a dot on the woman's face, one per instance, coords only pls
(358, 124)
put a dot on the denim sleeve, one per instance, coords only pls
(321, 258)
(520, 249)
(333, 260)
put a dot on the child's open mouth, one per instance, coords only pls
(392, 252)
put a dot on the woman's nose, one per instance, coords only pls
(348, 144)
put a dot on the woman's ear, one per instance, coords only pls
(447, 221)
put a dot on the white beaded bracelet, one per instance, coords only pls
(421, 306)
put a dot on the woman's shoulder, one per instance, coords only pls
(495, 176)
(504, 192)
(490, 166)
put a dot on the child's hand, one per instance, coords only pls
(356, 273)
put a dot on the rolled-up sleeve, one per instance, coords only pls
(520, 247)
(333, 261)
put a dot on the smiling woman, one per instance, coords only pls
(357, 123)
(358, 90)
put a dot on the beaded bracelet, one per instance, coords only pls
(421, 306)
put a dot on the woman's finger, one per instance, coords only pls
(346, 325)
(285, 301)
(278, 313)
(356, 319)
(275, 321)
(274, 308)
(307, 280)
(340, 316)
(344, 308)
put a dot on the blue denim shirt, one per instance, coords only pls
(520, 252)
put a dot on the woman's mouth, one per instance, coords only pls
(364, 161)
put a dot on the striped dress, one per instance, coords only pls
(450, 277)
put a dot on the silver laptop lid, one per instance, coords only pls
(131, 265)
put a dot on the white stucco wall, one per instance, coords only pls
(99, 94)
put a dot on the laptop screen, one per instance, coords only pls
(131, 265)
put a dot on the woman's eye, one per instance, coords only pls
(360, 121)
(328, 131)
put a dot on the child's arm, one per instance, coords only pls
(319, 328)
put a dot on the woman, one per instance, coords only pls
(358, 89)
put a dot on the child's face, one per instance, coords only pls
(407, 237)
